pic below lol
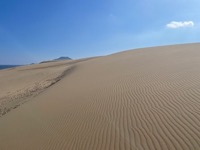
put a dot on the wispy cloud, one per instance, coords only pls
(180, 24)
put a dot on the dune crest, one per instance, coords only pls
(39, 77)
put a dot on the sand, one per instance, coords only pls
(145, 99)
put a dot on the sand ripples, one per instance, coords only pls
(127, 101)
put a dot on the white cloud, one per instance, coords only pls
(180, 24)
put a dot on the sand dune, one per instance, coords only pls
(145, 99)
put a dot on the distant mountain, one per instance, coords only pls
(63, 58)
(58, 59)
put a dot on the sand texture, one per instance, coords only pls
(145, 99)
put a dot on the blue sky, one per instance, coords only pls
(36, 30)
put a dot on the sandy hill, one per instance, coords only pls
(145, 99)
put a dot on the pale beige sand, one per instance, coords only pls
(18, 84)
(135, 100)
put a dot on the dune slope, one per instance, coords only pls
(146, 99)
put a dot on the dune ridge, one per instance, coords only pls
(146, 99)
(39, 77)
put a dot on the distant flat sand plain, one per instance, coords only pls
(145, 99)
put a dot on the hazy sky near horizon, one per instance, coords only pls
(36, 30)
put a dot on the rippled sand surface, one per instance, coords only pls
(145, 99)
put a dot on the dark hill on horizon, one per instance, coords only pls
(63, 58)
(57, 59)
